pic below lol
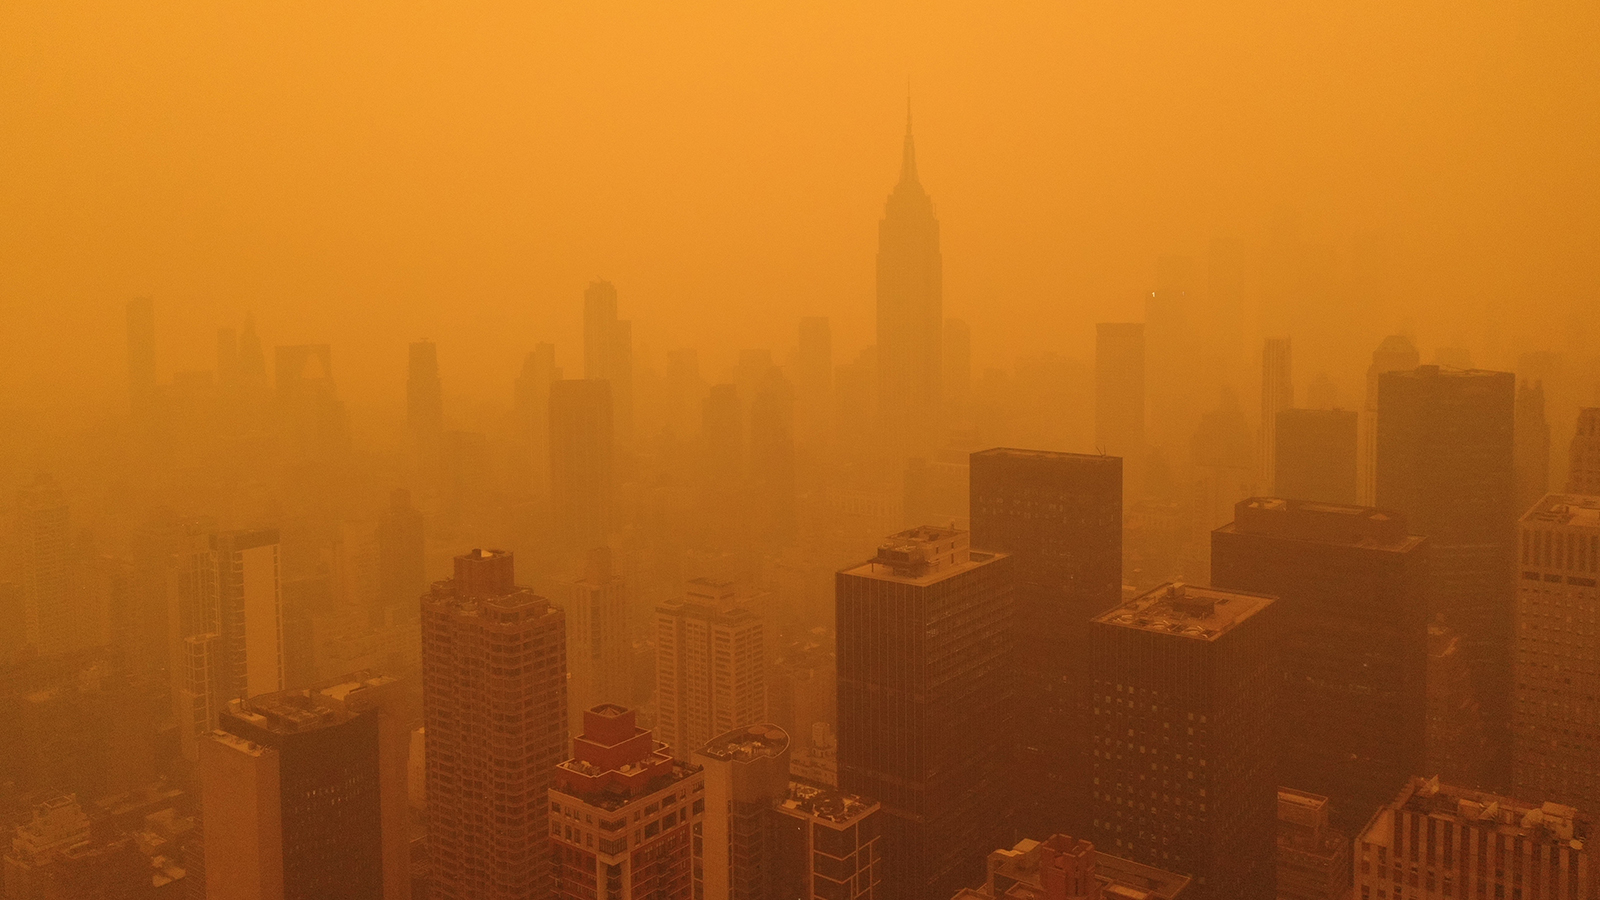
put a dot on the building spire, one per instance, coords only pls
(908, 159)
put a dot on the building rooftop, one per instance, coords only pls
(1186, 610)
(1548, 823)
(1323, 523)
(1015, 453)
(1573, 510)
(824, 802)
(750, 742)
(289, 712)
(923, 555)
(1049, 869)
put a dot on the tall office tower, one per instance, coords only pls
(312, 416)
(50, 613)
(772, 475)
(1353, 626)
(304, 794)
(625, 816)
(769, 835)
(532, 411)
(711, 665)
(252, 359)
(424, 392)
(1395, 354)
(1059, 516)
(1119, 390)
(402, 541)
(494, 703)
(1556, 739)
(581, 442)
(910, 313)
(141, 354)
(599, 651)
(1445, 463)
(1531, 455)
(250, 614)
(1065, 868)
(957, 362)
(1583, 474)
(1184, 765)
(1170, 395)
(608, 352)
(1313, 859)
(1472, 844)
(926, 703)
(195, 669)
(1316, 455)
(1277, 393)
(227, 359)
(813, 381)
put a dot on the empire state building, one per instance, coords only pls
(910, 313)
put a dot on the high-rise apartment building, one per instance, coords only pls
(1445, 463)
(1277, 394)
(1353, 629)
(581, 442)
(910, 312)
(1119, 389)
(608, 352)
(599, 651)
(1313, 858)
(494, 695)
(1583, 475)
(304, 795)
(1185, 771)
(1316, 455)
(769, 835)
(250, 621)
(711, 664)
(1434, 840)
(927, 703)
(625, 816)
(1395, 354)
(1065, 868)
(424, 392)
(50, 618)
(1556, 709)
(1059, 517)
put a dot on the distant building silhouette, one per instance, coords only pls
(711, 664)
(1059, 516)
(401, 538)
(598, 644)
(1531, 455)
(1353, 631)
(51, 614)
(910, 313)
(532, 411)
(424, 394)
(1185, 768)
(141, 355)
(1583, 476)
(581, 461)
(625, 815)
(494, 700)
(926, 696)
(1277, 393)
(772, 458)
(957, 363)
(608, 353)
(1119, 366)
(1316, 455)
(1395, 354)
(304, 795)
(1557, 655)
(1445, 441)
(813, 381)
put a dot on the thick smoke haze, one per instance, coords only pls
(368, 174)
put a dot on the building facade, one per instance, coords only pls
(598, 647)
(711, 664)
(1313, 858)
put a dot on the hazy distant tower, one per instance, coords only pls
(1583, 476)
(1395, 354)
(532, 393)
(1119, 390)
(608, 353)
(141, 353)
(401, 544)
(494, 702)
(424, 400)
(581, 441)
(1277, 393)
(910, 313)
(711, 664)
(45, 541)
(1532, 452)
(1445, 439)
(598, 646)
(1316, 455)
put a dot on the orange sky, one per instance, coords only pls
(368, 173)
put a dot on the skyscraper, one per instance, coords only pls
(1395, 354)
(424, 397)
(304, 795)
(1316, 455)
(598, 646)
(772, 458)
(711, 664)
(1119, 389)
(1277, 393)
(1445, 463)
(402, 541)
(926, 696)
(532, 391)
(141, 354)
(581, 450)
(813, 380)
(1583, 476)
(1353, 626)
(1556, 739)
(625, 816)
(50, 617)
(910, 313)
(1184, 766)
(608, 352)
(1059, 517)
(494, 699)
(957, 362)
(1531, 455)
(250, 613)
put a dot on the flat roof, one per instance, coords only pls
(1186, 610)
(747, 743)
(1574, 510)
